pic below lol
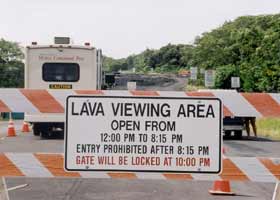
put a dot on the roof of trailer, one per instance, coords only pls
(64, 46)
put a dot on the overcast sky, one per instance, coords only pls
(121, 27)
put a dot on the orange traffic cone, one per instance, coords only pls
(25, 128)
(221, 187)
(11, 129)
(223, 150)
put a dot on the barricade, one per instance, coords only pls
(51, 165)
(53, 101)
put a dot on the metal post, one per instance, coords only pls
(276, 194)
(3, 189)
(10, 116)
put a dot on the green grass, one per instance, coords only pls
(269, 127)
(193, 87)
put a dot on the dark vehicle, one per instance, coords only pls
(233, 125)
(110, 80)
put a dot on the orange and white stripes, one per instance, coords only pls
(53, 101)
(264, 103)
(51, 165)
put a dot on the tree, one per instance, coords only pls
(251, 44)
(248, 47)
(11, 65)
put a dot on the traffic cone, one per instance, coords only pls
(223, 150)
(25, 128)
(11, 129)
(221, 187)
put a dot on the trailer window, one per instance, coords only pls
(61, 72)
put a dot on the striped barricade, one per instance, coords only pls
(53, 101)
(51, 165)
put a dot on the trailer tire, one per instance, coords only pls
(238, 134)
(227, 134)
(45, 135)
(46, 131)
(36, 129)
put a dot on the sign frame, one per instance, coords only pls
(194, 73)
(131, 85)
(209, 78)
(235, 82)
(143, 171)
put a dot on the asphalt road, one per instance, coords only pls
(65, 188)
(155, 82)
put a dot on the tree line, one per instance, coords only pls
(11, 65)
(248, 47)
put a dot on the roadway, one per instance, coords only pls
(86, 189)
(154, 82)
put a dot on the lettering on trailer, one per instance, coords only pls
(50, 57)
(158, 134)
(60, 86)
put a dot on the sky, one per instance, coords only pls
(121, 27)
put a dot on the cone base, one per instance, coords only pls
(11, 135)
(220, 192)
(25, 131)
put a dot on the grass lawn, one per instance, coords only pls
(190, 88)
(269, 127)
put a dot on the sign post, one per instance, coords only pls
(235, 82)
(144, 134)
(193, 73)
(209, 78)
(131, 85)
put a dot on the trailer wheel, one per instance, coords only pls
(46, 131)
(45, 135)
(238, 134)
(227, 134)
(36, 129)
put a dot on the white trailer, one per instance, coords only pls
(60, 66)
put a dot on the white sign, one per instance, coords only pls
(147, 134)
(209, 78)
(193, 73)
(131, 85)
(235, 82)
